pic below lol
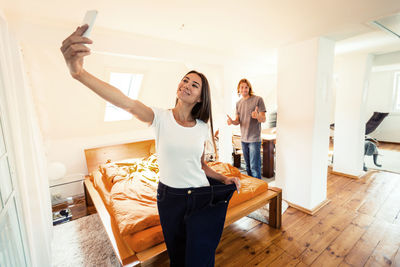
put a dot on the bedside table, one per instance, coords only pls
(67, 199)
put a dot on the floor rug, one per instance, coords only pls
(82, 243)
(262, 214)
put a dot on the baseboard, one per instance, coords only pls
(347, 175)
(330, 170)
(308, 211)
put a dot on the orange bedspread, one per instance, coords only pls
(129, 191)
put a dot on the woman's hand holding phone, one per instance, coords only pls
(74, 47)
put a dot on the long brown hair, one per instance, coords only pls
(202, 110)
(248, 84)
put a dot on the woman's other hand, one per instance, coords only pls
(74, 49)
(234, 180)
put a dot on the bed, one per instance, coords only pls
(144, 243)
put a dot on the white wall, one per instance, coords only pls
(380, 92)
(353, 74)
(389, 130)
(387, 59)
(381, 96)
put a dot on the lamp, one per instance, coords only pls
(56, 170)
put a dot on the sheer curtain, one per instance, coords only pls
(26, 152)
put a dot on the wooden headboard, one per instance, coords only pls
(100, 155)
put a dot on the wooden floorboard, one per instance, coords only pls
(323, 234)
(266, 256)
(338, 249)
(364, 247)
(385, 252)
(359, 227)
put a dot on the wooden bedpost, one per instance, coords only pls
(275, 209)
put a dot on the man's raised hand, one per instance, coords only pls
(229, 121)
(255, 113)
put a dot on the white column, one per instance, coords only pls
(304, 102)
(351, 94)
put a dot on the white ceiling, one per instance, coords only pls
(231, 26)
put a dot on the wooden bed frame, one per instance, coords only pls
(127, 257)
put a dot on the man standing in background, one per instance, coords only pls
(250, 113)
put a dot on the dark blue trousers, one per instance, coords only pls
(252, 157)
(192, 220)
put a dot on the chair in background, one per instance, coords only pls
(237, 151)
(371, 144)
(373, 122)
(211, 152)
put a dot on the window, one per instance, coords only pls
(396, 92)
(129, 84)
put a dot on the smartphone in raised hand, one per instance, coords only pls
(89, 19)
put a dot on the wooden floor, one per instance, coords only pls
(359, 227)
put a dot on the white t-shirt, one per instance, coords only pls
(179, 150)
